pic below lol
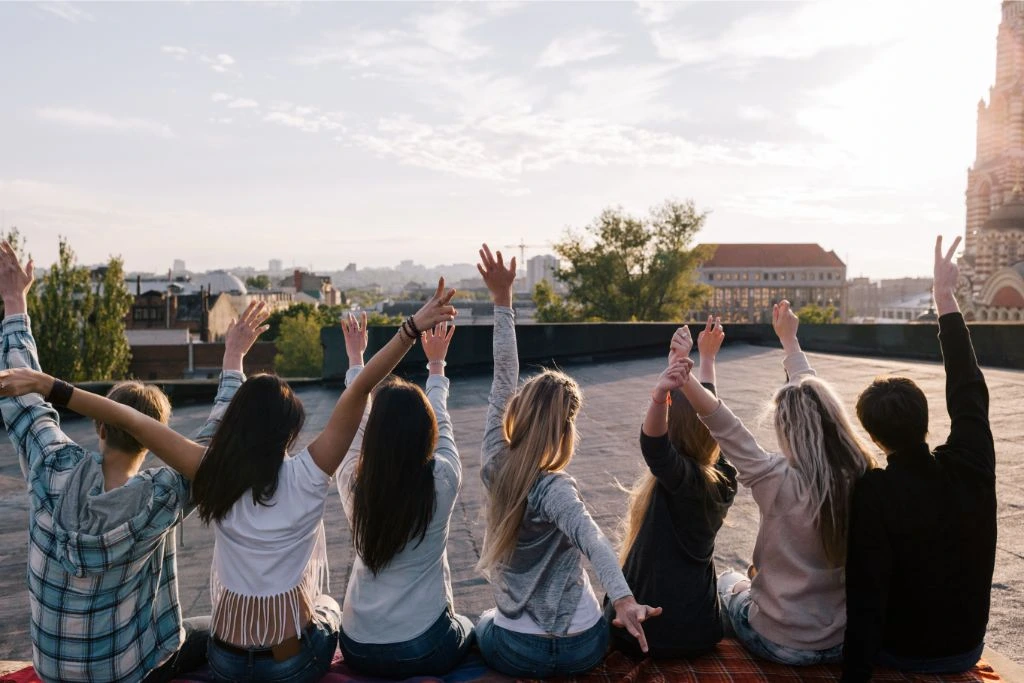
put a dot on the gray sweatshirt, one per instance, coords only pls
(544, 576)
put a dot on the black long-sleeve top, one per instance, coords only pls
(922, 535)
(671, 564)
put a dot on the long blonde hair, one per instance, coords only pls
(540, 429)
(690, 439)
(817, 437)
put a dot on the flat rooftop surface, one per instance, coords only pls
(615, 396)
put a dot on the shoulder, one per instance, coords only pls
(553, 486)
(301, 469)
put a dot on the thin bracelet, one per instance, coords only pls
(666, 402)
(407, 335)
(60, 393)
(412, 324)
(442, 363)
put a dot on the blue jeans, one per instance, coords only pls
(434, 652)
(737, 607)
(535, 656)
(952, 664)
(318, 644)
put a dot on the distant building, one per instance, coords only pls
(179, 267)
(350, 268)
(315, 287)
(908, 310)
(275, 266)
(862, 298)
(202, 314)
(540, 268)
(992, 265)
(746, 279)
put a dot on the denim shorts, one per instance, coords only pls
(540, 656)
(319, 643)
(435, 652)
(737, 606)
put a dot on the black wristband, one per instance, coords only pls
(60, 393)
(412, 325)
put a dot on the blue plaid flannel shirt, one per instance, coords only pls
(104, 601)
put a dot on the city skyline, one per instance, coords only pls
(219, 132)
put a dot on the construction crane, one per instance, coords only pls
(522, 247)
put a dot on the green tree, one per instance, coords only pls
(551, 308)
(299, 353)
(621, 267)
(813, 314)
(258, 282)
(375, 319)
(106, 350)
(65, 305)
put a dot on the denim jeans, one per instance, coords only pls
(737, 606)
(318, 644)
(540, 656)
(189, 657)
(952, 664)
(435, 652)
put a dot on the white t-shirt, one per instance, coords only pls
(411, 592)
(270, 561)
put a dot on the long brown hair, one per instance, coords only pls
(259, 426)
(690, 439)
(393, 491)
(816, 435)
(540, 429)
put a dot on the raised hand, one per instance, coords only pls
(435, 345)
(680, 345)
(498, 277)
(710, 339)
(15, 280)
(785, 323)
(946, 276)
(437, 309)
(356, 338)
(674, 376)
(631, 615)
(243, 333)
(21, 381)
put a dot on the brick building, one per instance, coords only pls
(204, 315)
(746, 279)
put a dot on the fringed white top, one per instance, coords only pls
(270, 561)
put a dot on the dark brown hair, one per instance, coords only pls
(259, 426)
(145, 398)
(894, 411)
(393, 492)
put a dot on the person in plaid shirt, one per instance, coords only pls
(101, 567)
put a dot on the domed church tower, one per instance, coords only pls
(993, 260)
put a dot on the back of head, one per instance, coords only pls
(816, 435)
(894, 411)
(393, 491)
(540, 428)
(145, 398)
(691, 439)
(259, 426)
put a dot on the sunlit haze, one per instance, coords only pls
(227, 134)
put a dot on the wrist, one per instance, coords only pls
(355, 359)
(15, 305)
(436, 367)
(790, 344)
(503, 299)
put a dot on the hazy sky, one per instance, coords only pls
(232, 133)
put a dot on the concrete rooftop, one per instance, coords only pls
(615, 394)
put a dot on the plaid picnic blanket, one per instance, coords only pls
(729, 663)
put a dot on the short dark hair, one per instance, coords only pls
(145, 398)
(259, 426)
(894, 411)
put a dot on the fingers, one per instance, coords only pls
(362, 320)
(511, 264)
(30, 269)
(775, 314)
(938, 248)
(440, 288)
(448, 296)
(501, 261)
(451, 331)
(952, 249)
(709, 325)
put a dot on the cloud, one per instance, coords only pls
(220, 97)
(655, 12)
(243, 103)
(581, 47)
(67, 11)
(175, 51)
(755, 112)
(304, 118)
(85, 118)
(640, 94)
(221, 63)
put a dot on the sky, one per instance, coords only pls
(320, 134)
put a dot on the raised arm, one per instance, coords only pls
(331, 445)
(665, 464)
(241, 335)
(435, 347)
(499, 279)
(709, 342)
(32, 424)
(785, 323)
(966, 392)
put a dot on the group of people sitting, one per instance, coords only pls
(852, 563)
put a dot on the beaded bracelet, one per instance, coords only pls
(407, 333)
(412, 325)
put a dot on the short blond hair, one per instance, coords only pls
(145, 398)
